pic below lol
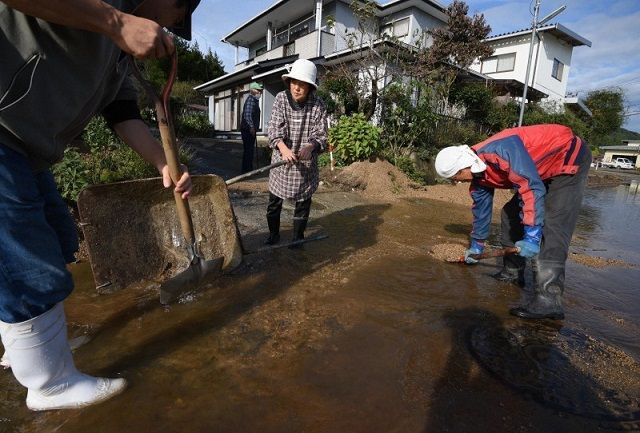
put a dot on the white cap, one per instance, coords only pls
(452, 159)
(302, 70)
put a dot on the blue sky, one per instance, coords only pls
(613, 27)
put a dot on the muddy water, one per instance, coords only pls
(363, 332)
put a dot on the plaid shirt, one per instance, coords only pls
(250, 113)
(296, 125)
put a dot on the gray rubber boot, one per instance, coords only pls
(547, 297)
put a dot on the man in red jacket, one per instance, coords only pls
(547, 165)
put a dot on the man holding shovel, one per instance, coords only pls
(63, 61)
(548, 167)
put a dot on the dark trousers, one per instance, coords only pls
(249, 145)
(562, 204)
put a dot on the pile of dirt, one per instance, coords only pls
(377, 179)
(381, 180)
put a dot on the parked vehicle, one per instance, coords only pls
(622, 163)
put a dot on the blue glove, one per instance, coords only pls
(475, 247)
(530, 244)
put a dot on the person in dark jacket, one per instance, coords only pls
(547, 165)
(249, 125)
(63, 62)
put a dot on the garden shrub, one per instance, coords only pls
(193, 124)
(354, 138)
(107, 160)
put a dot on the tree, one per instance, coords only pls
(193, 65)
(607, 108)
(454, 48)
(372, 63)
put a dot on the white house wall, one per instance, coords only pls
(421, 22)
(346, 23)
(546, 48)
(520, 47)
(553, 48)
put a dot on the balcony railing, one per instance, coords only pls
(305, 46)
(293, 31)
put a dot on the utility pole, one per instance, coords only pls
(534, 24)
(534, 28)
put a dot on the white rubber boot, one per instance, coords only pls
(41, 361)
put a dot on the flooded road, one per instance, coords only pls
(365, 332)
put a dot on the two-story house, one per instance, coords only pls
(318, 30)
(550, 62)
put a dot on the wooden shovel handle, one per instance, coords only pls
(168, 137)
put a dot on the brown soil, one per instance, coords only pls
(603, 179)
(380, 180)
(598, 262)
(447, 252)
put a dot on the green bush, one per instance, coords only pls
(354, 138)
(97, 135)
(407, 119)
(193, 124)
(409, 168)
(324, 160)
(71, 174)
(107, 160)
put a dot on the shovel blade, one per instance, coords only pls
(198, 274)
(133, 234)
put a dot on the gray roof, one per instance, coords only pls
(557, 30)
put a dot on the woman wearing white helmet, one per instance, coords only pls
(548, 167)
(297, 134)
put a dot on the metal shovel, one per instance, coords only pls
(200, 271)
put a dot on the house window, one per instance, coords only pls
(397, 29)
(501, 63)
(558, 69)
(261, 50)
(290, 49)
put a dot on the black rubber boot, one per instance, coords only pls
(273, 219)
(547, 297)
(300, 218)
(274, 230)
(512, 270)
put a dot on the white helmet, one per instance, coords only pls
(302, 70)
(452, 159)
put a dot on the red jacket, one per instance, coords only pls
(522, 158)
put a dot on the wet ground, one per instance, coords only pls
(364, 332)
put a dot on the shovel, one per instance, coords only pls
(488, 254)
(200, 271)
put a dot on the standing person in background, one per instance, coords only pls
(297, 134)
(249, 125)
(548, 166)
(63, 62)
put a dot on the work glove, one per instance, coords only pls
(530, 245)
(475, 247)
